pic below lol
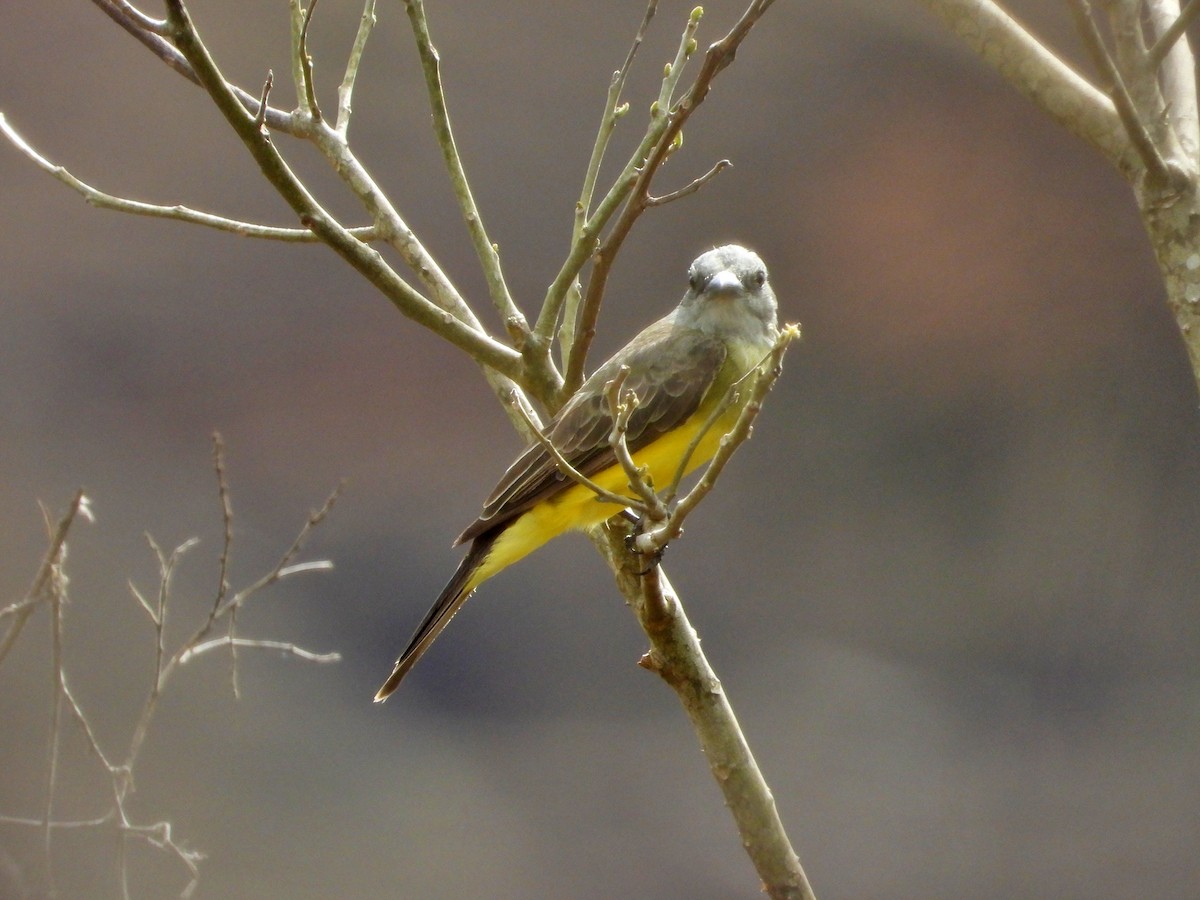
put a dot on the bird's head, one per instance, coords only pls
(729, 295)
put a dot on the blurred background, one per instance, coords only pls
(949, 586)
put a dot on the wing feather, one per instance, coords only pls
(670, 369)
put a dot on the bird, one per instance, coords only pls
(681, 368)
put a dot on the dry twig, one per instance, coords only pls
(49, 589)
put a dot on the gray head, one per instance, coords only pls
(729, 295)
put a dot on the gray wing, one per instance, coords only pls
(670, 370)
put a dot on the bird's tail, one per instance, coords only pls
(452, 597)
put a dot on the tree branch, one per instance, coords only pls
(614, 110)
(485, 250)
(1170, 35)
(1041, 76)
(346, 91)
(564, 464)
(1127, 110)
(23, 609)
(362, 258)
(718, 56)
(677, 657)
(151, 35)
(1174, 60)
(690, 188)
(101, 200)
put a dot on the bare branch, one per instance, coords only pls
(1040, 75)
(281, 646)
(1134, 127)
(66, 824)
(23, 609)
(261, 116)
(672, 118)
(1177, 67)
(143, 21)
(152, 37)
(218, 453)
(346, 91)
(485, 250)
(590, 225)
(621, 406)
(565, 466)
(677, 657)
(309, 97)
(283, 567)
(50, 586)
(1171, 35)
(614, 110)
(366, 261)
(150, 32)
(101, 200)
(691, 188)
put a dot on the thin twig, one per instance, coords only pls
(614, 110)
(36, 595)
(586, 240)
(282, 646)
(346, 91)
(226, 548)
(57, 598)
(151, 32)
(64, 824)
(464, 329)
(691, 188)
(218, 454)
(1176, 30)
(143, 21)
(154, 40)
(621, 406)
(454, 328)
(309, 98)
(260, 117)
(282, 567)
(1156, 167)
(672, 118)
(564, 465)
(101, 200)
(487, 253)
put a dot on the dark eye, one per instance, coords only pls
(695, 281)
(759, 278)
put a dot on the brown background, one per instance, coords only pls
(950, 584)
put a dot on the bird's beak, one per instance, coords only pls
(724, 283)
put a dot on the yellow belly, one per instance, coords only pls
(577, 507)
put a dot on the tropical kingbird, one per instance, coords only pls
(681, 368)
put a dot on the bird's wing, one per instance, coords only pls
(670, 369)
